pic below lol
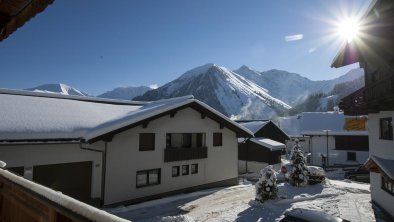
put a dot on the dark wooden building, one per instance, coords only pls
(265, 149)
(266, 129)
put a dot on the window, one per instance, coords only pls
(359, 143)
(386, 129)
(199, 140)
(388, 185)
(168, 140)
(194, 168)
(351, 156)
(147, 141)
(185, 170)
(175, 171)
(148, 177)
(187, 140)
(217, 139)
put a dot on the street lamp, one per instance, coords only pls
(326, 131)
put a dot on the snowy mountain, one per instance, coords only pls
(224, 90)
(292, 88)
(322, 102)
(58, 88)
(126, 93)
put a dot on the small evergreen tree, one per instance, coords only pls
(266, 187)
(299, 172)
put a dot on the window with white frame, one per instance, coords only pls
(388, 185)
(148, 177)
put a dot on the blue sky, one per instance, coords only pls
(98, 45)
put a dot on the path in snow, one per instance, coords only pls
(347, 200)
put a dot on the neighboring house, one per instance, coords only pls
(265, 149)
(291, 125)
(374, 51)
(117, 151)
(333, 138)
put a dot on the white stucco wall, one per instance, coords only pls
(124, 158)
(29, 156)
(319, 146)
(383, 198)
(383, 149)
(253, 166)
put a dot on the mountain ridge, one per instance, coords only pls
(243, 93)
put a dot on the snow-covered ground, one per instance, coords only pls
(348, 200)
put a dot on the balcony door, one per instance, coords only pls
(185, 140)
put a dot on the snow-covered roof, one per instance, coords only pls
(316, 123)
(255, 126)
(385, 165)
(291, 125)
(271, 144)
(39, 116)
(335, 133)
(73, 205)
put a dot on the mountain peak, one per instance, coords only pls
(199, 70)
(246, 70)
(59, 88)
(125, 93)
(244, 67)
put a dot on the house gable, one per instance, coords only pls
(272, 131)
(203, 109)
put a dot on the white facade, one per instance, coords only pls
(383, 149)
(124, 158)
(335, 157)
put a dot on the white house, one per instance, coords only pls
(343, 139)
(117, 151)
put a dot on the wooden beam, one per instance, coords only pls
(172, 114)
(108, 138)
(145, 124)
(221, 126)
(202, 115)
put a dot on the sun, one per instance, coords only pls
(349, 29)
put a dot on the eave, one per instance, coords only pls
(196, 105)
(14, 14)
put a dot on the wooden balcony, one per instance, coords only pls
(377, 95)
(355, 103)
(380, 93)
(178, 154)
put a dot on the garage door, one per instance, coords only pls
(72, 179)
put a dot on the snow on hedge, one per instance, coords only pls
(266, 187)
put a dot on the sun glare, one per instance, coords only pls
(349, 29)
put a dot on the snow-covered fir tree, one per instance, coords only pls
(299, 172)
(266, 187)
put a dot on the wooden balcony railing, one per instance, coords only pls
(380, 94)
(22, 200)
(178, 154)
